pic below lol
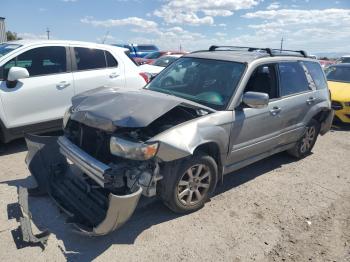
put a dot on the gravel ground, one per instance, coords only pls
(275, 210)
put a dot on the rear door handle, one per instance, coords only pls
(275, 110)
(62, 85)
(113, 75)
(311, 100)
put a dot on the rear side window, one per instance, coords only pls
(89, 59)
(111, 62)
(292, 78)
(317, 74)
(146, 48)
(40, 61)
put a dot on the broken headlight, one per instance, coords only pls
(131, 150)
(66, 116)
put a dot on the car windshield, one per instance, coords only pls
(7, 48)
(345, 60)
(153, 55)
(164, 61)
(338, 73)
(146, 48)
(206, 81)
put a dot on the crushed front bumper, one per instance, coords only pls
(91, 208)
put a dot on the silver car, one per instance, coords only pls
(206, 115)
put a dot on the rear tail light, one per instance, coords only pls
(145, 76)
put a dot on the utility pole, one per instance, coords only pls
(180, 48)
(281, 44)
(105, 37)
(48, 33)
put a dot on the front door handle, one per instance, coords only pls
(275, 110)
(311, 100)
(113, 75)
(62, 85)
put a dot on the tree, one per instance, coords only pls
(11, 36)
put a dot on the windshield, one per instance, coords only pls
(206, 81)
(345, 60)
(7, 48)
(146, 48)
(153, 55)
(164, 61)
(338, 73)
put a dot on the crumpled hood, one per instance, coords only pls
(106, 108)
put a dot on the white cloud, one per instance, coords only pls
(311, 29)
(273, 5)
(31, 36)
(200, 12)
(139, 24)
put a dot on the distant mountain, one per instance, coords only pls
(331, 54)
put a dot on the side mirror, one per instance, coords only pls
(17, 73)
(256, 99)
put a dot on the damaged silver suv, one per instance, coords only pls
(208, 114)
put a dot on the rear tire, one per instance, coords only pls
(188, 183)
(306, 143)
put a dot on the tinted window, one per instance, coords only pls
(338, 73)
(153, 55)
(263, 80)
(88, 58)
(40, 61)
(292, 78)
(205, 81)
(111, 62)
(345, 60)
(164, 61)
(7, 48)
(317, 74)
(146, 48)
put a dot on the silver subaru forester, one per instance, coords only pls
(206, 115)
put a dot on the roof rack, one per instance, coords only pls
(271, 52)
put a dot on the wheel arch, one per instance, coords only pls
(213, 150)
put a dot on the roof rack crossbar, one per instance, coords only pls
(302, 52)
(267, 50)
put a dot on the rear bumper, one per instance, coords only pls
(93, 210)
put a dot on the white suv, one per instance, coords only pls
(39, 78)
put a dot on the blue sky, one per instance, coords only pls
(313, 25)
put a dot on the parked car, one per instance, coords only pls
(137, 50)
(159, 64)
(344, 59)
(326, 63)
(150, 58)
(39, 78)
(231, 108)
(339, 84)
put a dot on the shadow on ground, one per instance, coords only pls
(76, 247)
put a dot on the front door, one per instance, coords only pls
(42, 97)
(257, 130)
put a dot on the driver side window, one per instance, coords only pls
(264, 80)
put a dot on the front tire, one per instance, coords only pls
(306, 143)
(187, 184)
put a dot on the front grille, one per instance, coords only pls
(93, 141)
(337, 105)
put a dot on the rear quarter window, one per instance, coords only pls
(292, 78)
(316, 73)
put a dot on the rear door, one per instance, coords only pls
(299, 95)
(45, 95)
(95, 68)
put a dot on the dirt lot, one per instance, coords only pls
(274, 210)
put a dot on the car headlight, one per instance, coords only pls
(132, 150)
(66, 116)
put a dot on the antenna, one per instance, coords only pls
(281, 45)
(105, 37)
(48, 33)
